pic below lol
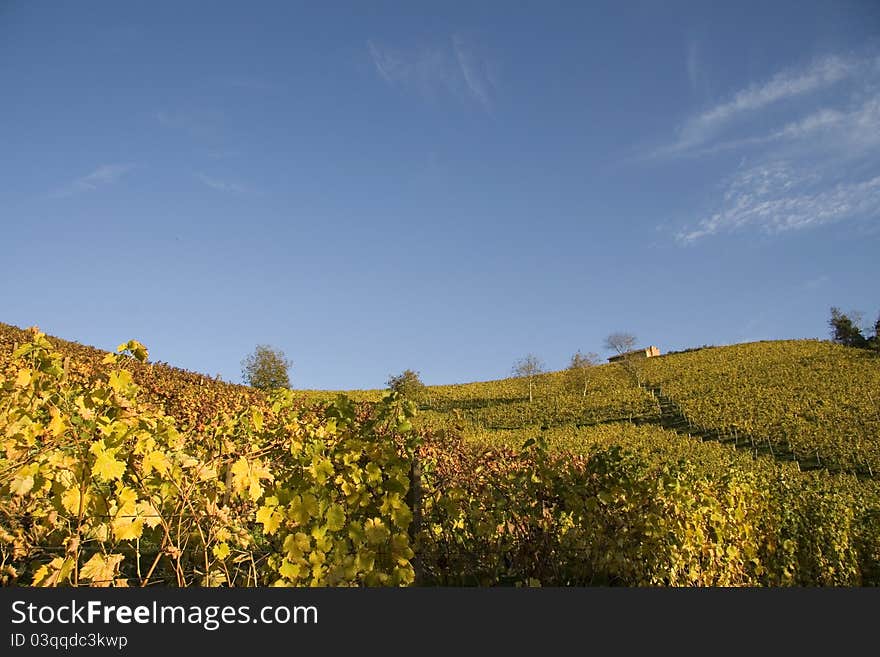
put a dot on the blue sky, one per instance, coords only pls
(444, 187)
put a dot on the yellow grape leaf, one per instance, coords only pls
(260, 471)
(335, 517)
(255, 490)
(374, 473)
(120, 381)
(263, 513)
(221, 550)
(156, 460)
(58, 425)
(390, 502)
(375, 531)
(71, 500)
(321, 468)
(109, 359)
(240, 475)
(100, 571)
(21, 486)
(106, 467)
(301, 509)
(126, 529)
(187, 461)
(23, 480)
(84, 411)
(402, 516)
(149, 514)
(269, 519)
(23, 378)
(207, 472)
(290, 570)
(140, 351)
(257, 417)
(126, 499)
(41, 573)
(296, 544)
(55, 572)
(247, 476)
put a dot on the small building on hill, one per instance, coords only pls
(648, 352)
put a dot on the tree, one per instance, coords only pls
(620, 342)
(408, 383)
(623, 344)
(266, 368)
(580, 367)
(845, 329)
(875, 341)
(528, 367)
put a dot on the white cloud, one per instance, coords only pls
(808, 163)
(389, 64)
(778, 197)
(220, 185)
(475, 71)
(852, 130)
(454, 68)
(785, 85)
(106, 174)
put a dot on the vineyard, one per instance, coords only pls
(814, 402)
(120, 472)
(558, 401)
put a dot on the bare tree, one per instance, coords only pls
(624, 344)
(580, 367)
(528, 367)
(620, 342)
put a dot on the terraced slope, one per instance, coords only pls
(815, 402)
(810, 402)
(557, 401)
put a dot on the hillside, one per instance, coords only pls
(749, 464)
(191, 398)
(811, 402)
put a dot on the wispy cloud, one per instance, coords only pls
(475, 70)
(785, 85)
(853, 130)
(777, 197)
(454, 67)
(802, 164)
(104, 175)
(220, 185)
